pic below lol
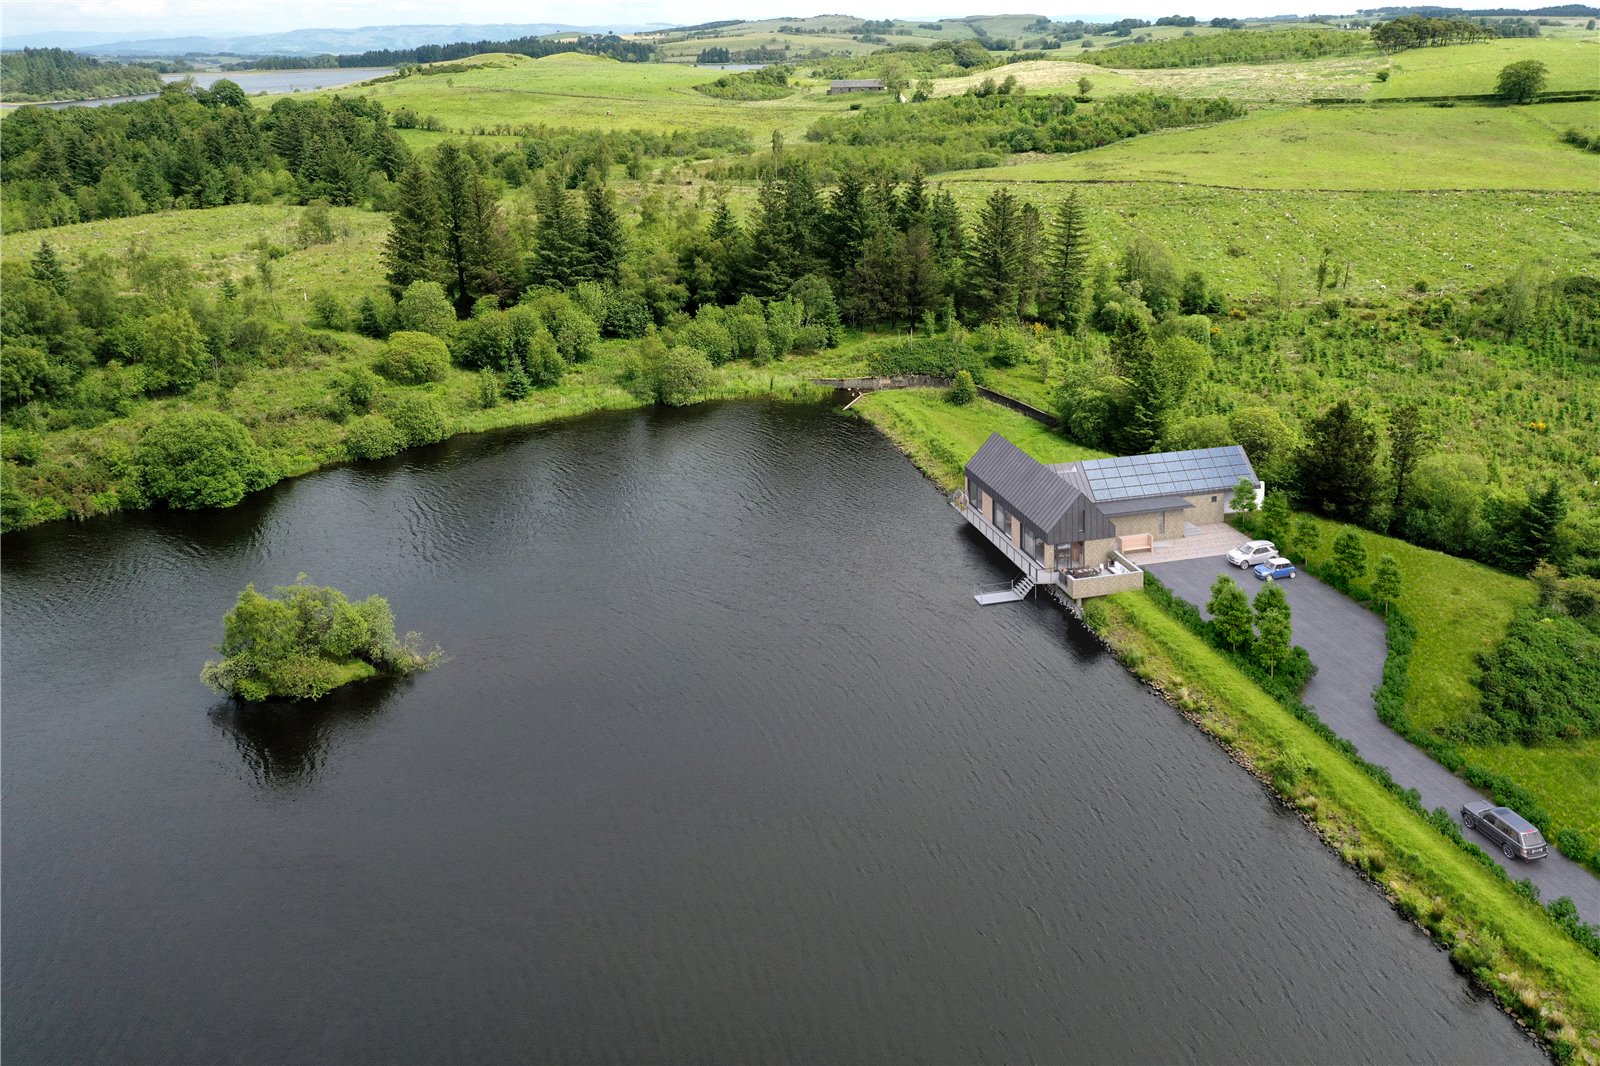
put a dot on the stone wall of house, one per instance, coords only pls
(1095, 552)
(1208, 508)
(1133, 524)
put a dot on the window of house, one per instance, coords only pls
(1213, 499)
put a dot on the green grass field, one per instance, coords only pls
(796, 44)
(591, 92)
(1345, 148)
(215, 242)
(1245, 239)
(1472, 69)
(1255, 83)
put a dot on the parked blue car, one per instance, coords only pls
(1276, 568)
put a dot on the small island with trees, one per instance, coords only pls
(306, 640)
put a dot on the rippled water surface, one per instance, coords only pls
(726, 766)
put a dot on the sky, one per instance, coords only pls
(166, 18)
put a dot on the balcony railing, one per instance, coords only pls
(1029, 566)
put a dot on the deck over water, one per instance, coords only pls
(1124, 577)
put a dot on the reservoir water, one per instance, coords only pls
(253, 82)
(726, 766)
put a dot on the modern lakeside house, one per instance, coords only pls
(1072, 526)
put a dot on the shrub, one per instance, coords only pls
(1541, 683)
(358, 387)
(419, 419)
(544, 363)
(200, 459)
(424, 308)
(681, 375)
(172, 351)
(412, 358)
(329, 311)
(372, 437)
(963, 390)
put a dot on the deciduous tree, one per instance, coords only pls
(1349, 557)
(1386, 581)
(1230, 612)
(1521, 82)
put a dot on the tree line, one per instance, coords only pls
(1234, 46)
(57, 74)
(191, 148)
(1419, 31)
(979, 129)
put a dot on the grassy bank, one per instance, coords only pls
(1509, 944)
(940, 437)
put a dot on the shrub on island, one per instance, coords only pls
(307, 640)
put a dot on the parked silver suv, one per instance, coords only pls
(1515, 834)
(1251, 552)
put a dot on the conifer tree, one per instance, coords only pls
(411, 252)
(1546, 508)
(914, 202)
(786, 235)
(369, 323)
(517, 385)
(995, 267)
(847, 222)
(876, 288)
(1067, 275)
(488, 247)
(1337, 468)
(47, 269)
(453, 175)
(923, 285)
(604, 243)
(1030, 274)
(558, 248)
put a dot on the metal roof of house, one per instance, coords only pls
(1167, 473)
(1143, 504)
(1034, 491)
(856, 83)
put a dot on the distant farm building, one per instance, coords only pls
(855, 85)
